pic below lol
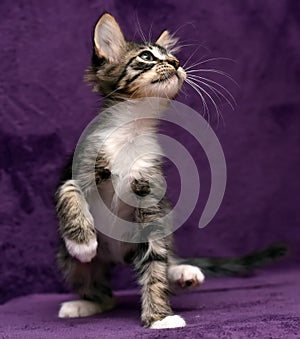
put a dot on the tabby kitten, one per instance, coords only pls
(122, 71)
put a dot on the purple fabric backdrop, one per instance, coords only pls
(45, 47)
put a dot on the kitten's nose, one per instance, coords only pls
(174, 62)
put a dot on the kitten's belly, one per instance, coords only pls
(109, 223)
(132, 152)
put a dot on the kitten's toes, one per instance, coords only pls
(171, 321)
(84, 252)
(185, 275)
(79, 308)
(140, 187)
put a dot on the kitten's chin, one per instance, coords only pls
(168, 88)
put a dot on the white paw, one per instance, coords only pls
(83, 252)
(185, 275)
(171, 321)
(79, 308)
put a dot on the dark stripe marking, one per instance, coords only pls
(129, 81)
(124, 71)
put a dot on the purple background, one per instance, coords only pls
(45, 47)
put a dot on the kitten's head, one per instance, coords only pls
(122, 69)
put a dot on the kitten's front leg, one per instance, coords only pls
(151, 263)
(151, 267)
(76, 223)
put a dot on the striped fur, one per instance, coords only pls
(122, 71)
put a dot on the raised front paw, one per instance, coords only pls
(140, 187)
(84, 252)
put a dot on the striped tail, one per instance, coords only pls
(238, 266)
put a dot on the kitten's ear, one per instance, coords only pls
(167, 41)
(108, 38)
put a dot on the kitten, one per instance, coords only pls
(122, 71)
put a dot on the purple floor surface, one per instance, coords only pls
(265, 306)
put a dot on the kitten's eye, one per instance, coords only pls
(147, 56)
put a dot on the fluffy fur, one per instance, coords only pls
(122, 71)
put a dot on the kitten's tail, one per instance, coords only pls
(239, 266)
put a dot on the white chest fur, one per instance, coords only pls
(129, 140)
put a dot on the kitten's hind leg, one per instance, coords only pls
(183, 276)
(82, 308)
(76, 222)
(89, 281)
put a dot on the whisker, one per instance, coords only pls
(179, 47)
(209, 96)
(194, 64)
(195, 51)
(211, 59)
(204, 104)
(197, 77)
(150, 31)
(188, 45)
(195, 42)
(140, 30)
(217, 93)
(219, 114)
(212, 88)
(185, 24)
(212, 70)
(110, 93)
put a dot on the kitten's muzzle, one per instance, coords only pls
(166, 70)
(165, 75)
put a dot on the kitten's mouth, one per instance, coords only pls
(164, 78)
